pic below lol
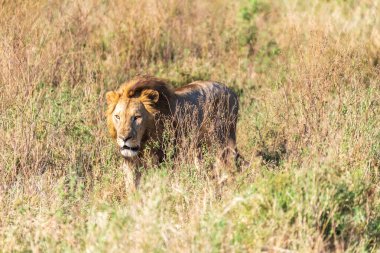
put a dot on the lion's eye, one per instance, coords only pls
(117, 117)
(136, 117)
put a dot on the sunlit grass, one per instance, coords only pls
(307, 76)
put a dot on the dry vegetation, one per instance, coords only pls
(308, 77)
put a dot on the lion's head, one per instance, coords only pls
(132, 111)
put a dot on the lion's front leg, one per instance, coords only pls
(134, 167)
(131, 176)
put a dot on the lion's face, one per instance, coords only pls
(128, 120)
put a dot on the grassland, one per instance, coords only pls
(308, 77)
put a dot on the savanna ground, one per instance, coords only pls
(308, 78)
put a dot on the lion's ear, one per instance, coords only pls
(149, 96)
(112, 97)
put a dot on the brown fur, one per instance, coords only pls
(160, 99)
(135, 87)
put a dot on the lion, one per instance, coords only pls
(137, 112)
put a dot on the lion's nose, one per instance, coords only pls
(126, 138)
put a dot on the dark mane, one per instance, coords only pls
(166, 93)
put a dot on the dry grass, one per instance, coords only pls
(308, 78)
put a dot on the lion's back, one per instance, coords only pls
(200, 93)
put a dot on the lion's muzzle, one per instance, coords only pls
(129, 151)
(135, 149)
(128, 148)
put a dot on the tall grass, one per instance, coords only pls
(308, 80)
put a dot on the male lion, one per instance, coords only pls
(138, 110)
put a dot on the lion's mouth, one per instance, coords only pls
(134, 149)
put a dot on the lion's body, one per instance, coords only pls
(199, 93)
(137, 110)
